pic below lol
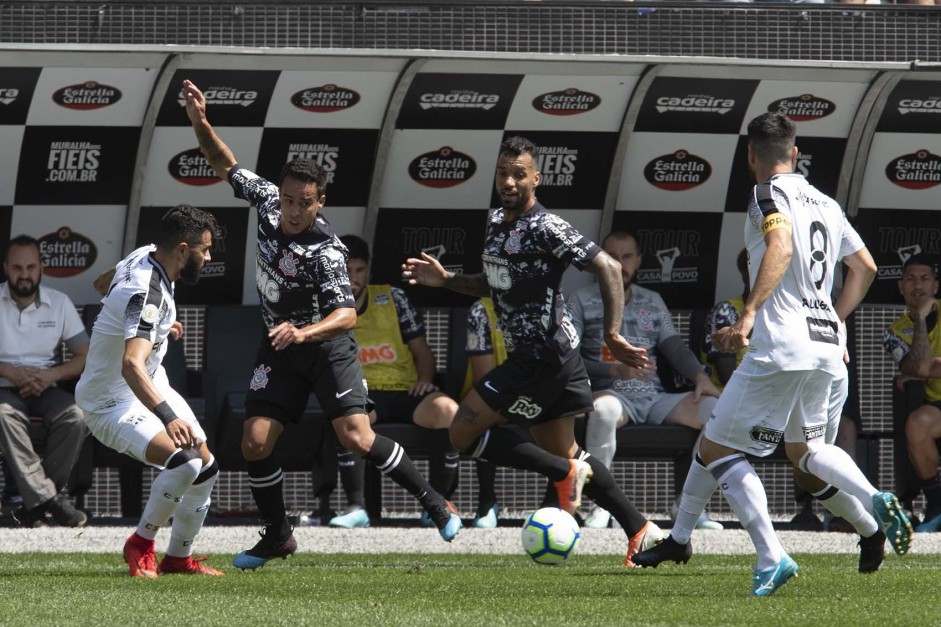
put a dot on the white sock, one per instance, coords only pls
(698, 489)
(601, 429)
(189, 516)
(848, 507)
(745, 493)
(166, 492)
(831, 464)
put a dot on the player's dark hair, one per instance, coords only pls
(741, 262)
(621, 234)
(516, 146)
(21, 240)
(306, 171)
(771, 137)
(921, 259)
(357, 247)
(185, 223)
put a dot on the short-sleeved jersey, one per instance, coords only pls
(646, 323)
(897, 342)
(524, 261)
(32, 336)
(797, 327)
(300, 279)
(139, 304)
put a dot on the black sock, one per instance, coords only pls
(442, 463)
(605, 492)
(266, 482)
(352, 476)
(932, 491)
(390, 458)
(507, 448)
(486, 486)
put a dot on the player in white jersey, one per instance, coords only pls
(795, 237)
(129, 404)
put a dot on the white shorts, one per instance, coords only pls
(129, 427)
(759, 407)
(839, 392)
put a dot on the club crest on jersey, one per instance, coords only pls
(150, 313)
(260, 377)
(288, 264)
(644, 320)
(514, 241)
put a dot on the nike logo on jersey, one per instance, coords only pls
(491, 388)
(342, 394)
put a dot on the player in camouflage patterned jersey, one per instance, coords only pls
(542, 385)
(309, 310)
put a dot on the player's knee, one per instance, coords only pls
(185, 461)
(253, 450)
(358, 441)
(606, 414)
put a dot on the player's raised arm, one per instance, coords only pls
(220, 157)
(429, 271)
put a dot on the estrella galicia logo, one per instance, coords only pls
(677, 172)
(571, 101)
(803, 108)
(763, 435)
(445, 167)
(325, 99)
(918, 170)
(66, 253)
(192, 168)
(86, 96)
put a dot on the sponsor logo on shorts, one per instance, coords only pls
(764, 435)
(571, 101)
(918, 170)
(525, 407)
(803, 108)
(86, 96)
(260, 377)
(812, 433)
(325, 99)
(444, 167)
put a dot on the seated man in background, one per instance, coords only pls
(914, 342)
(399, 368)
(485, 350)
(34, 323)
(624, 394)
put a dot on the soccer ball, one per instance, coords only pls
(550, 535)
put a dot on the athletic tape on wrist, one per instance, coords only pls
(164, 412)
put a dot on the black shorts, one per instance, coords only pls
(283, 380)
(396, 406)
(528, 390)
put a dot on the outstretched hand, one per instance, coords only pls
(195, 102)
(625, 352)
(425, 271)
